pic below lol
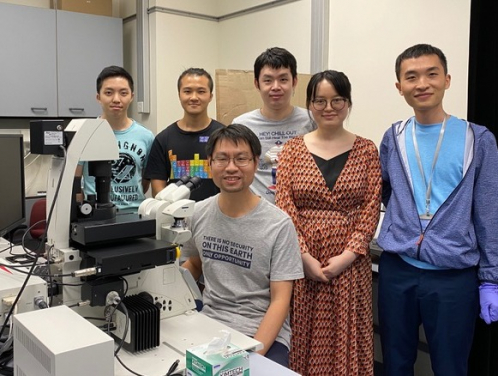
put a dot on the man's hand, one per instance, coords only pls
(488, 297)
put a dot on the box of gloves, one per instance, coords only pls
(217, 358)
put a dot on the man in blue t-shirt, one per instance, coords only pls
(115, 94)
(440, 231)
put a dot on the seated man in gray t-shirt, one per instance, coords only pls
(245, 247)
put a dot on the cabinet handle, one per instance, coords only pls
(39, 109)
(76, 109)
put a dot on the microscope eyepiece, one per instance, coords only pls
(183, 180)
(194, 183)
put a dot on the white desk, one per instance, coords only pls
(184, 331)
(261, 366)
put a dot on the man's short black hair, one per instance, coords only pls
(235, 133)
(196, 72)
(275, 57)
(114, 71)
(420, 50)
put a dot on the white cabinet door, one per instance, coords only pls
(28, 69)
(85, 45)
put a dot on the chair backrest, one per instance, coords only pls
(38, 213)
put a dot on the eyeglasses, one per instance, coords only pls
(336, 103)
(237, 161)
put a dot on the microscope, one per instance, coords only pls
(97, 253)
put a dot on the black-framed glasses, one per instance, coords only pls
(237, 161)
(337, 103)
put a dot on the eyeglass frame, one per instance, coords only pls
(344, 100)
(216, 161)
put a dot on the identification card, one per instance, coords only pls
(426, 216)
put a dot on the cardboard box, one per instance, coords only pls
(236, 94)
(231, 362)
(98, 7)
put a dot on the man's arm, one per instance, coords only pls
(157, 186)
(194, 266)
(145, 185)
(280, 297)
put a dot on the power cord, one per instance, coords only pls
(114, 299)
(36, 256)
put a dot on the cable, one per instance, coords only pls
(9, 247)
(23, 239)
(21, 290)
(69, 284)
(126, 285)
(7, 318)
(50, 280)
(33, 161)
(129, 370)
(173, 367)
(125, 333)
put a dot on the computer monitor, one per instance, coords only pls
(12, 203)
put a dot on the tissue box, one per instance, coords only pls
(231, 362)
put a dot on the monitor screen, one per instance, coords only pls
(12, 204)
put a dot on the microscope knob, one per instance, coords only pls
(146, 296)
(86, 208)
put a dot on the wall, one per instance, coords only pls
(178, 42)
(31, 3)
(365, 39)
(244, 38)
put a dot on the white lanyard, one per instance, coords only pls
(428, 185)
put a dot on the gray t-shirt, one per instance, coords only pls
(240, 256)
(273, 135)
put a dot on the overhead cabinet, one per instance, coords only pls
(51, 60)
(28, 63)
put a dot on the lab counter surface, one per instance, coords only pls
(181, 332)
(259, 366)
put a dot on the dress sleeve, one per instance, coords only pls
(284, 196)
(368, 214)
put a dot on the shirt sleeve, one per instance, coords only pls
(158, 165)
(286, 263)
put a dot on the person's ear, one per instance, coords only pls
(398, 86)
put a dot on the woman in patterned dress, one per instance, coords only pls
(329, 182)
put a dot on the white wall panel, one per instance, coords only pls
(243, 38)
(179, 43)
(365, 39)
